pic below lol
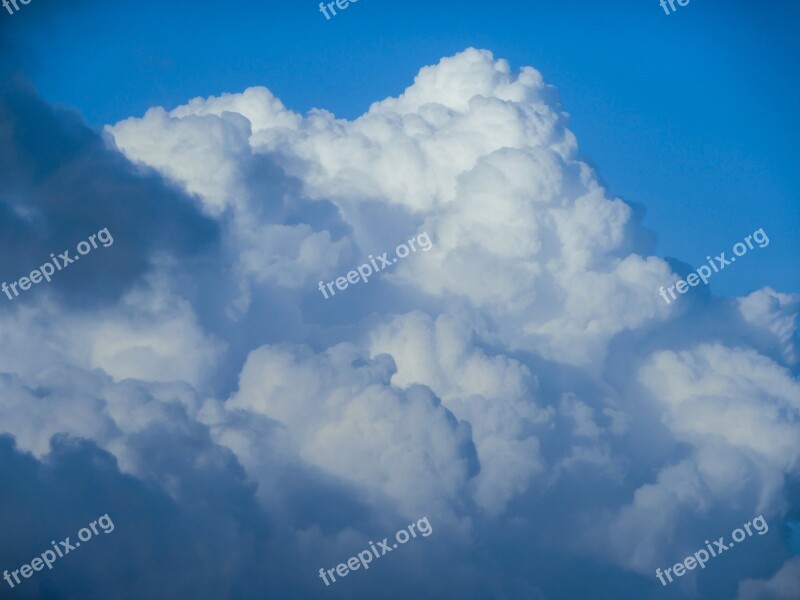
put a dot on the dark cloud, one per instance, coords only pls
(61, 183)
(157, 549)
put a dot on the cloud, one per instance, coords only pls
(347, 420)
(782, 586)
(494, 394)
(521, 384)
(60, 183)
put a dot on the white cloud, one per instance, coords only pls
(345, 418)
(530, 255)
(738, 413)
(718, 395)
(523, 375)
(776, 313)
(494, 177)
(494, 394)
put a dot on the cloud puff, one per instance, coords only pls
(346, 419)
(494, 394)
(737, 413)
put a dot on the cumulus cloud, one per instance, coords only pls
(521, 384)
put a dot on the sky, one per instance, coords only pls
(228, 371)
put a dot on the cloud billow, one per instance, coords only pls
(521, 384)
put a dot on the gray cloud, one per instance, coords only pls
(60, 183)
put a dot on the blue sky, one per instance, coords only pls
(690, 114)
(516, 379)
